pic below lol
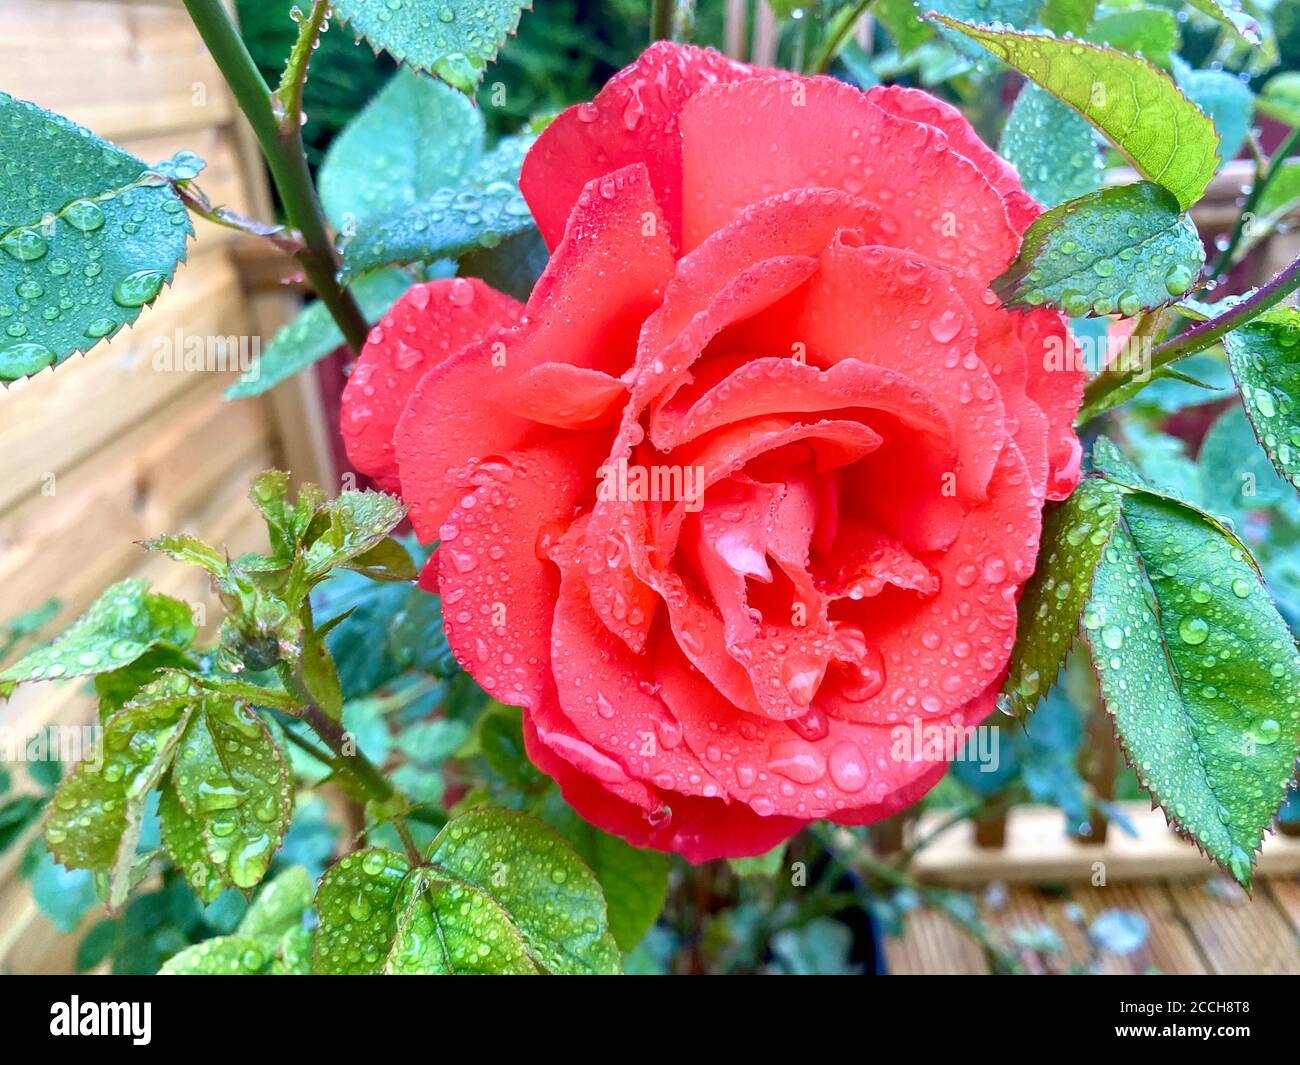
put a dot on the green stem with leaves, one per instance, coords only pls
(1198, 338)
(276, 120)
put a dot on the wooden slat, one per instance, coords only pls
(1169, 948)
(1286, 896)
(227, 519)
(1236, 934)
(1038, 849)
(117, 69)
(142, 485)
(62, 415)
(931, 943)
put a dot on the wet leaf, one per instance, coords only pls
(1121, 250)
(89, 236)
(1133, 104)
(1074, 535)
(416, 136)
(1053, 149)
(230, 776)
(120, 626)
(1200, 674)
(1265, 359)
(454, 39)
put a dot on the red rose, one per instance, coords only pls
(757, 475)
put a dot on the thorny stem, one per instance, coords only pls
(277, 124)
(1263, 178)
(841, 26)
(335, 738)
(1200, 337)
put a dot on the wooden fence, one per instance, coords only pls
(106, 450)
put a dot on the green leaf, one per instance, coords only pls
(1068, 16)
(634, 881)
(501, 739)
(1122, 249)
(1200, 674)
(88, 237)
(1134, 105)
(293, 953)
(1053, 148)
(120, 626)
(1225, 98)
(1236, 474)
(388, 560)
(1280, 97)
(1074, 534)
(313, 334)
(182, 838)
(358, 522)
(1001, 12)
(902, 19)
(189, 549)
(507, 893)
(280, 904)
(1282, 194)
(1230, 13)
(450, 929)
(98, 810)
(1265, 359)
(433, 741)
(550, 895)
(358, 906)
(231, 777)
(483, 210)
(320, 676)
(1150, 31)
(121, 686)
(237, 955)
(415, 137)
(454, 39)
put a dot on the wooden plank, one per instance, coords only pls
(1038, 850)
(226, 519)
(1169, 948)
(60, 416)
(140, 486)
(1237, 934)
(932, 944)
(138, 67)
(1285, 892)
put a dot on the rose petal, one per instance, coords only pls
(700, 830)
(745, 141)
(428, 325)
(498, 595)
(918, 106)
(452, 420)
(569, 397)
(895, 309)
(633, 119)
